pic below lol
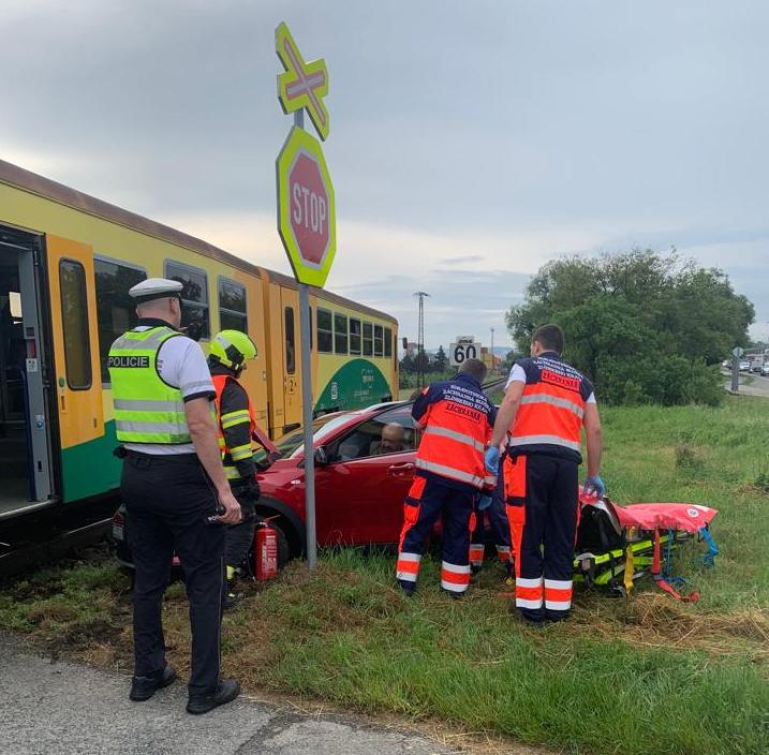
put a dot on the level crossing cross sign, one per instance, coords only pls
(303, 85)
(306, 208)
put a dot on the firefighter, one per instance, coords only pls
(457, 419)
(545, 406)
(175, 490)
(230, 351)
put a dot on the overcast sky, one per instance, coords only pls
(470, 141)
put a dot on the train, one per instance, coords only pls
(67, 261)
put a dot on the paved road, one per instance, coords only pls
(56, 708)
(758, 387)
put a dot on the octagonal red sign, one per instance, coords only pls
(306, 208)
(309, 208)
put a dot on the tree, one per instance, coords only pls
(407, 363)
(643, 327)
(441, 360)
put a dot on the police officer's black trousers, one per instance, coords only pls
(168, 499)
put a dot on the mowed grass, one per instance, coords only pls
(633, 676)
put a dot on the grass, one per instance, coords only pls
(636, 676)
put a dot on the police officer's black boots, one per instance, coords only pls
(226, 692)
(144, 687)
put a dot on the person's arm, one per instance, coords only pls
(421, 408)
(593, 437)
(236, 428)
(204, 438)
(507, 412)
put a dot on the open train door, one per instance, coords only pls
(25, 375)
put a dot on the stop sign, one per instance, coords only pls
(306, 210)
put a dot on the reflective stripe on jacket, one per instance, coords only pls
(458, 420)
(552, 409)
(147, 410)
(230, 419)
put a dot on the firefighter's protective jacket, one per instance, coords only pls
(236, 424)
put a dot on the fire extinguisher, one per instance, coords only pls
(265, 551)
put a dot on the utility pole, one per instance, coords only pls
(492, 349)
(421, 339)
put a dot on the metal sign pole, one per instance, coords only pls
(309, 456)
(735, 374)
(309, 453)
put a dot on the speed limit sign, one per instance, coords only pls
(462, 350)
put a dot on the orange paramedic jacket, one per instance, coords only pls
(458, 419)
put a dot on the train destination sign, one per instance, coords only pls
(303, 85)
(306, 208)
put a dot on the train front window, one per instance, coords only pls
(74, 318)
(388, 342)
(194, 282)
(115, 309)
(232, 306)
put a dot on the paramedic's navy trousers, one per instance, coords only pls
(543, 497)
(428, 499)
(167, 499)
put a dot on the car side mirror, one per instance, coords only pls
(320, 456)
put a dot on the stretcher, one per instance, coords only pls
(617, 545)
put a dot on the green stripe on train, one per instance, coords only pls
(90, 469)
(355, 384)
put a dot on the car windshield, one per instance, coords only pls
(291, 445)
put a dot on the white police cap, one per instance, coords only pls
(155, 288)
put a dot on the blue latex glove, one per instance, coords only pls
(594, 486)
(484, 502)
(492, 460)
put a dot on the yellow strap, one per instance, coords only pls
(629, 569)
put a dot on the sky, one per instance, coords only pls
(470, 142)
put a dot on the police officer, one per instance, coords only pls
(457, 419)
(230, 351)
(546, 404)
(174, 488)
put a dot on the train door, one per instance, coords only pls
(292, 377)
(78, 373)
(25, 471)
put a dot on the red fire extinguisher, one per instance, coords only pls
(265, 551)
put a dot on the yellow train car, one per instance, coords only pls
(67, 261)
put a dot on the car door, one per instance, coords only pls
(360, 492)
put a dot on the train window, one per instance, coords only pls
(232, 306)
(388, 342)
(115, 309)
(74, 319)
(354, 336)
(311, 339)
(368, 340)
(325, 333)
(378, 341)
(194, 296)
(340, 333)
(290, 340)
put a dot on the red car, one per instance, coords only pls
(360, 481)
